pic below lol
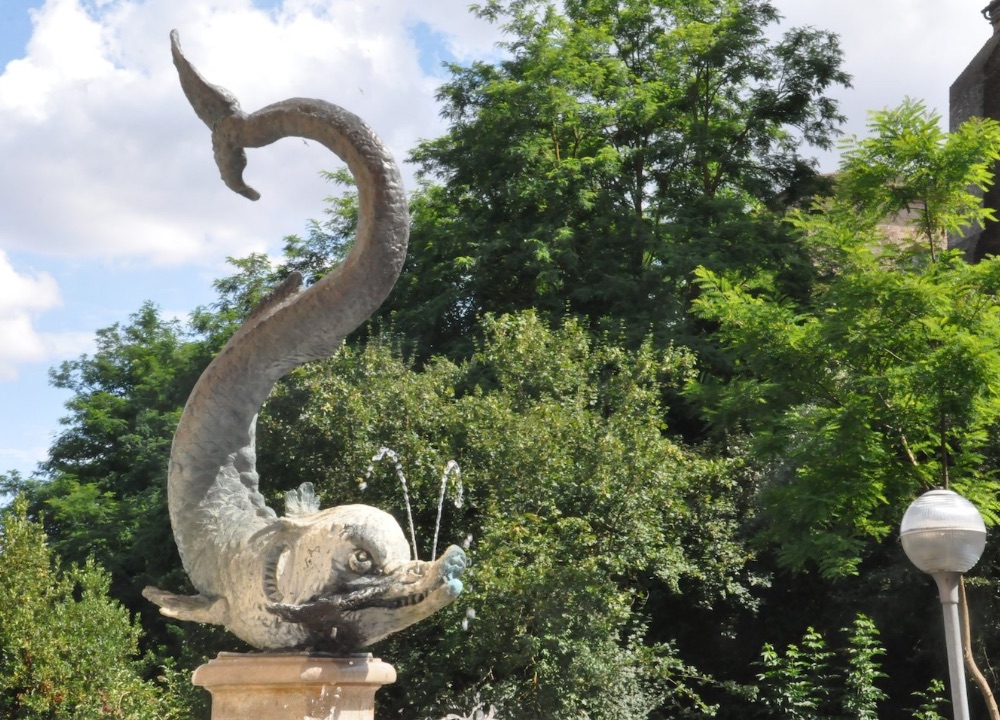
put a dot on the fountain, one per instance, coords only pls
(312, 588)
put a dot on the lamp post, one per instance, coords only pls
(943, 534)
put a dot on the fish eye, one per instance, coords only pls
(360, 562)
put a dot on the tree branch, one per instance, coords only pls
(970, 661)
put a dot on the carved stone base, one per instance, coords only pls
(293, 686)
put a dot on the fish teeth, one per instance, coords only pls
(410, 600)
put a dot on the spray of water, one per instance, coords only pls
(451, 468)
(386, 452)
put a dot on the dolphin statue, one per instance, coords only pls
(333, 580)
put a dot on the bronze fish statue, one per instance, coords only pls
(334, 580)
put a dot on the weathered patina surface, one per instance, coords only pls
(337, 579)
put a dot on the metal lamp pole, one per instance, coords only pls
(943, 534)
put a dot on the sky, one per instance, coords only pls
(109, 196)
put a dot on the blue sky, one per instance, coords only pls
(109, 196)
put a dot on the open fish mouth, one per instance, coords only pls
(389, 592)
(357, 614)
(336, 605)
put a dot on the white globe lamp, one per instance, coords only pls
(943, 534)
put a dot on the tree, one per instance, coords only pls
(884, 382)
(578, 513)
(66, 650)
(619, 145)
(102, 492)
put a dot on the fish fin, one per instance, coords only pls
(211, 102)
(285, 289)
(196, 608)
(302, 501)
(214, 105)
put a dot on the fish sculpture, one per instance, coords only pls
(334, 580)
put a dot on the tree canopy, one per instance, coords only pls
(568, 482)
(884, 383)
(618, 146)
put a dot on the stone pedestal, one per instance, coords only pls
(293, 686)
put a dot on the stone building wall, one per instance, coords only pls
(976, 93)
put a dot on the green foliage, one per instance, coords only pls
(796, 684)
(618, 146)
(328, 241)
(931, 702)
(861, 696)
(66, 650)
(577, 506)
(909, 164)
(884, 382)
(102, 492)
(813, 683)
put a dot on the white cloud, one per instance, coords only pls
(23, 297)
(895, 48)
(65, 50)
(106, 163)
(104, 158)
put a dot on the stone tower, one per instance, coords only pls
(976, 93)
